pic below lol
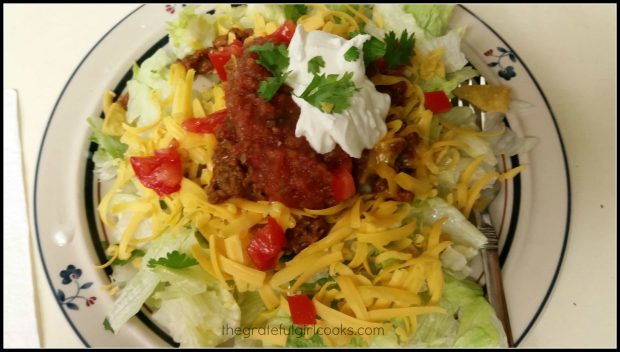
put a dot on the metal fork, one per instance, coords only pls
(490, 258)
(493, 272)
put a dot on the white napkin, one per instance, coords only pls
(19, 317)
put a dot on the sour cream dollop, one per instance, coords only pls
(361, 125)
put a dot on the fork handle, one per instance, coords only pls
(495, 289)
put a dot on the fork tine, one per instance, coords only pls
(480, 115)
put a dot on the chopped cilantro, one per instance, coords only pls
(107, 326)
(398, 51)
(395, 51)
(315, 64)
(374, 49)
(330, 94)
(294, 340)
(135, 254)
(352, 54)
(174, 260)
(293, 12)
(274, 58)
(269, 87)
(357, 341)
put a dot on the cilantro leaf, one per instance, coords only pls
(330, 94)
(270, 86)
(374, 49)
(276, 60)
(273, 58)
(293, 12)
(174, 260)
(294, 340)
(315, 64)
(398, 51)
(352, 54)
(135, 254)
(107, 326)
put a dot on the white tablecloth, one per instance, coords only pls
(570, 49)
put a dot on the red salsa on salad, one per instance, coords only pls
(258, 156)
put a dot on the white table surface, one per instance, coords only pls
(570, 49)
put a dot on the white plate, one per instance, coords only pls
(532, 212)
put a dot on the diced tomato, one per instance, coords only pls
(343, 185)
(162, 172)
(284, 34)
(220, 56)
(437, 102)
(302, 310)
(205, 124)
(266, 245)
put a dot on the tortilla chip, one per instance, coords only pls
(488, 98)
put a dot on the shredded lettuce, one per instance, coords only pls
(455, 259)
(509, 143)
(429, 23)
(251, 306)
(191, 31)
(470, 321)
(141, 286)
(154, 72)
(106, 165)
(475, 146)
(122, 219)
(426, 21)
(270, 12)
(457, 227)
(461, 116)
(148, 85)
(227, 16)
(195, 308)
(143, 104)
(107, 144)
(451, 81)
(453, 57)
(109, 154)
(395, 19)
(433, 19)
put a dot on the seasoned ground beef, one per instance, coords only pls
(199, 60)
(396, 92)
(397, 154)
(230, 177)
(408, 153)
(240, 34)
(373, 69)
(306, 231)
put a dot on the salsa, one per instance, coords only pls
(258, 156)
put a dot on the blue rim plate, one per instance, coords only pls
(532, 212)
